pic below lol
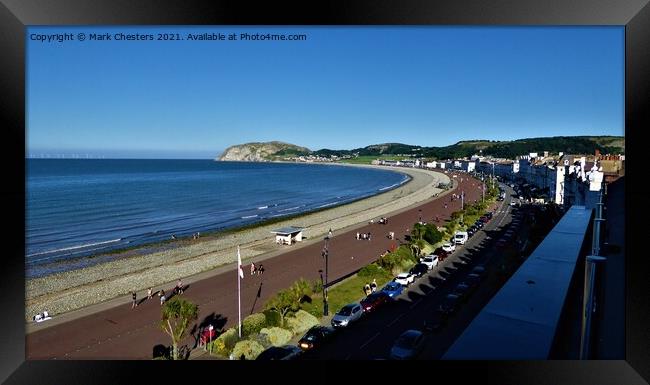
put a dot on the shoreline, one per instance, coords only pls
(130, 251)
(72, 290)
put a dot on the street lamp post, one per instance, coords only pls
(325, 254)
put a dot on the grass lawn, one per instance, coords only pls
(345, 292)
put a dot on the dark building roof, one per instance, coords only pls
(288, 230)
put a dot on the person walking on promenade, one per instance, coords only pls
(252, 268)
(162, 297)
(373, 285)
(260, 270)
(149, 295)
(179, 286)
(329, 234)
(135, 302)
(357, 235)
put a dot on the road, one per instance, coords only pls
(373, 336)
(120, 332)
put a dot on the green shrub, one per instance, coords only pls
(431, 234)
(247, 348)
(370, 271)
(276, 336)
(253, 324)
(225, 342)
(316, 286)
(301, 321)
(272, 318)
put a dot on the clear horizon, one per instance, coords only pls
(342, 88)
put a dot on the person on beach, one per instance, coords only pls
(252, 268)
(135, 302)
(149, 293)
(162, 297)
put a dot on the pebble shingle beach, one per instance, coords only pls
(63, 292)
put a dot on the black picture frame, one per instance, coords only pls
(15, 15)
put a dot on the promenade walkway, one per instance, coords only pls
(115, 331)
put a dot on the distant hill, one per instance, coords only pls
(261, 151)
(501, 149)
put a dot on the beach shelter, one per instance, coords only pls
(288, 235)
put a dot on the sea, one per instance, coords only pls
(77, 208)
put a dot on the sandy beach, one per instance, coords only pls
(67, 291)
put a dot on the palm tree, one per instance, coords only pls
(417, 243)
(176, 317)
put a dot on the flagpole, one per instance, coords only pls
(239, 287)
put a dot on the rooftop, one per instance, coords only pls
(288, 230)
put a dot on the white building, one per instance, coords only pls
(288, 235)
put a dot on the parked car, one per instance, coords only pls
(286, 352)
(393, 289)
(450, 247)
(501, 244)
(375, 300)
(419, 270)
(347, 315)
(462, 290)
(441, 254)
(460, 238)
(405, 279)
(479, 270)
(430, 260)
(449, 303)
(473, 280)
(436, 321)
(315, 337)
(408, 345)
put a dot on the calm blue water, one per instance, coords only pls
(77, 208)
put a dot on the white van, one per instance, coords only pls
(460, 237)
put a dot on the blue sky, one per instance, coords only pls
(342, 88)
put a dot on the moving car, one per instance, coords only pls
(408, 345)
(393, 289)
(430, 260)
(286, 352)
(419, 270)
(315, 337)
(375, 300)
(348, 314)
(405, 279)
(450, 247)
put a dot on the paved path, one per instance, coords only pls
(119, 332)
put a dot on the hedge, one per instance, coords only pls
(301, 321)
(249, 349)
(253, 324)
(276, 336)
